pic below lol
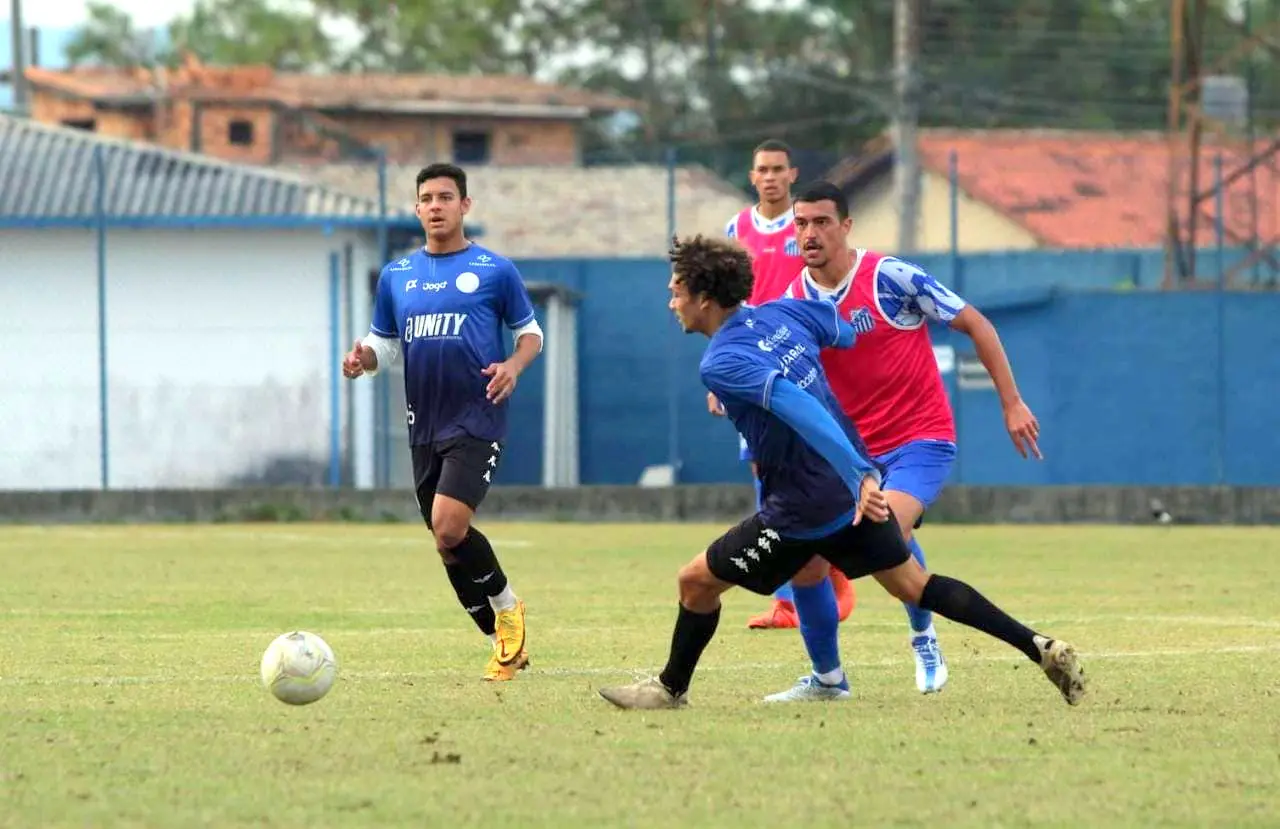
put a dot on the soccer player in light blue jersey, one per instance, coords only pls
(445, 307)
(821, 502)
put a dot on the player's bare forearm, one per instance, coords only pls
(990, 351)
(527, 348)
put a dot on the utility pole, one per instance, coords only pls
(906, 169)
(17, 78)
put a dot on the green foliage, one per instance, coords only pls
(716, 76)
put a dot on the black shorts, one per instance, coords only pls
(460, 467)
(755, 557)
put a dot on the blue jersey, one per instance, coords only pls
(763, 366)
(448, 311)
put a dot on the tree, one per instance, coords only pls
(109, 38)
(230, 32)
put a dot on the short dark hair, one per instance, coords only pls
(715, 268)
(443, 170)
(771, 145)
(826, 191)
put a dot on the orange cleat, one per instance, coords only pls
(781, 615)
(845, 599)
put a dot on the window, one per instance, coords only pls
(470, 147)
(240, 133)
(87, 124)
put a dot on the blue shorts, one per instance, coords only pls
(919, 468)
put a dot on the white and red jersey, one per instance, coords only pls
(888, 383)
(775, 256)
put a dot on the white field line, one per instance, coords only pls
(359, 676)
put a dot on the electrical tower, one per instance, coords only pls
(1203, 103)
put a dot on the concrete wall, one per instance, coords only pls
(218, 352)
(981, 227)
(717, 504)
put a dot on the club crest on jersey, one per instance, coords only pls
(862, 320)
(792, 247)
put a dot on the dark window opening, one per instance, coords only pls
(240, 133)
(470, 147)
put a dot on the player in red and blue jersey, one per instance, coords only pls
(890, 386)
(821, 499)
(767, 231)
(445, 307)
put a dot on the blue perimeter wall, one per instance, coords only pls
(1130, 386)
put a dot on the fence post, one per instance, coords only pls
(100, 228)
(1220, 302)
(957, 283)
(673, 349)
(382, 431)
(335, 385)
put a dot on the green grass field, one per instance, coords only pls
(129, 693)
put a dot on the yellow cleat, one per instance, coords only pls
(510, 629)
(497, 671)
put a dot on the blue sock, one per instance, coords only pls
(920, 619)
(819, 624)
(785, 593)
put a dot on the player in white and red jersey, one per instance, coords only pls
(890, 387)
(767, 231)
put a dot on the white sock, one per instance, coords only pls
(834, 677)
(506, 600)
(929, 631)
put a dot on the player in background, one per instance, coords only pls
(821, 501)
(890, 387)
(445, 306)
(767, 231)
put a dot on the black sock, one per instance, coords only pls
(472, 598)
(692, 634)
(476, 559)
(961, 603)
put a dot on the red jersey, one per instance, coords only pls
(775, 256)
(888, 383)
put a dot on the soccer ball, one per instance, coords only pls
(298, 668)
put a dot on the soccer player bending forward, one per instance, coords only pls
(821, 501)
(447, 304)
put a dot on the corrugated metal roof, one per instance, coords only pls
(50, 173)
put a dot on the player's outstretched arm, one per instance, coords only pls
(815, 425)
(1024, 429)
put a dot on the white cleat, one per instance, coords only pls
(810, 689)
(648, 695)
(931, 668)
(1059, 662)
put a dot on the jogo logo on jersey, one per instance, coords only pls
(433, 325)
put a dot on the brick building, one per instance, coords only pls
(257, 115)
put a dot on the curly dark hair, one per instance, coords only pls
(719, 269)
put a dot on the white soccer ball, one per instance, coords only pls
(298, 668)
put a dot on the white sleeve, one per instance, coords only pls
(386, 349)
(530, 327)
(904, 284)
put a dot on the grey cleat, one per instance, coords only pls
(1059, 662)
(647, 694)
